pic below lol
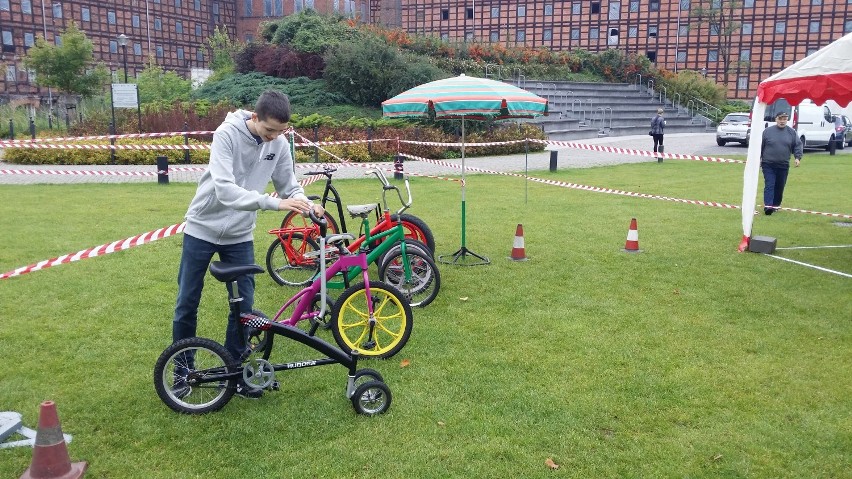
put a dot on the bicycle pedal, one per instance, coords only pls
(275, 386)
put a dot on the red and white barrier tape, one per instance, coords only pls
(112, 137)
(98, 250)
(55, 146)
(628, 151)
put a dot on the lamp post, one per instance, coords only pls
(122, 42)
(704, 72)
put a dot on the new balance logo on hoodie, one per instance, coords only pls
(269, 157)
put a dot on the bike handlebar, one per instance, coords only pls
(321, 222)
(387, 186)
(327, 171)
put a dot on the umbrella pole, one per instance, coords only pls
(463, 256)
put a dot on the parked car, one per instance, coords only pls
(842, 131)
(734, 127)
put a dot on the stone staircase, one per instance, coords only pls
(591, 110)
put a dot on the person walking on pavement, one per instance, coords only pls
(778, 144)
(658, 125)
(248, 151)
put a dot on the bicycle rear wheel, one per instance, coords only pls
(292, 259)
(415, 228)
(182, 373)
(425, 278)
(350, 320)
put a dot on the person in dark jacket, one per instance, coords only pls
(779, 142)
(658, 125)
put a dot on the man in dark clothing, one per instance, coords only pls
(658, 125)
(779, 142)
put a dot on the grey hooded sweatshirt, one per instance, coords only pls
(224, 209)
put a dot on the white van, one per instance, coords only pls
(813, 123)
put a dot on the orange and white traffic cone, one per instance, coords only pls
(518, 253)
(50, 454)
(632, 243)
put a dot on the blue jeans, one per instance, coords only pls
(774, 180)
(194, 261)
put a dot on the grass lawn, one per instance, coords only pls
(686, 360)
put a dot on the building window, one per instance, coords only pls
(714, 29)
(780, 27)
(654, 6)
(748, 4)
(445, 36)
(848, 27)
(594, 33)
(159, 51)
(816, 2)
(742, 83)
(683, 30)
(199, 57)
(747, 28)
(11, 73)
(778, 54)
(468, 36)
(813, 27)
(279, 8)
(197, 5)
(134, 20)
(113, 46)
(495, 12)
(575, 8)
(520, 36)
(575, 34)
(612, 39)
(419, 15)
(712, 56)
(652, 31)
(652, 55)
(633, 32)
(634, 6)
(57, 40)
(27, 7)
(7, 40)
(267, 8)
(782, 3)
(137, 49)
(614, 10)
(177, 3)
(158, 24)
(178, 26)
(468, 13)
(29, 39)
(745, 55)
(249, 38)
(57, 10)
(445, 14)
(180, 53)
(810, 52)
(522, 11)
(494, 37)
(111, 18)
(681, 57)
(548, 9)
(86, 14)
(547, 35)
(684, 4)
(596, 7)
(247, 8)
(198, 30)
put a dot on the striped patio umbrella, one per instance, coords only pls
(465, 98)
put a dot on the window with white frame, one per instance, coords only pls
(684, 5)
(11, 73)
(547, 34)
(137, 48)
(683, 30)
(520, 36)
(57, 10)
(742, 83)
(178, 26)
(86, 14)
(134, 20)
(745, 55)
(747, 28)
(778, 54)
(4, 6)
(594, 33)
(159, 51)
(782, 3)
(522, 11)
(575, 34)
(113, 46)
(27, 7)
(548, 9)
(29, 39)
(111, 18)
(712, 55)
(576, 8)
(652, 30)
(634, 6)
(158, 24)
(681, 56)
(614, 10)
(248, 8)
(495, 12)
(180, 53)
(714, 29)
(494, 37)
(632, 32)
(748, 4)
(813, 26)
(780, 27)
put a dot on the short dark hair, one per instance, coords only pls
(782, 113)
(273, 104)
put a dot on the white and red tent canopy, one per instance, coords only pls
(821, 76)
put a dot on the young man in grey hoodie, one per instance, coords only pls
(248, 150)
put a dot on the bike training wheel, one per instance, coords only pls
(371, 398)
(410, 244)
(297, 220)
(350, 320)
(415, 228)
(298, 270)
(425, 278)
(186, 361)
(261, 341)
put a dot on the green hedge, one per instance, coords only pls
(74, 156)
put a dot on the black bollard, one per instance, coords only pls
(163, 170)
(11, 130)
(397, 168)
(553, 155)
(660, 151)
(32, 128)
(186, 143)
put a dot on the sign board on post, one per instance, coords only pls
(124, 95)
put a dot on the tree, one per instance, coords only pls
(222, 52)
(68, 67)
(720, 17)
(155, 84)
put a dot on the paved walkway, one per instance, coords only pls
(701, 144)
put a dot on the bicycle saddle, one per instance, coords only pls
(227, 272)
(361, 210)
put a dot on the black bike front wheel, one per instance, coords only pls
(192, 376)
(425, 280)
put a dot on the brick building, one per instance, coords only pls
(769, 36)
(172, 32)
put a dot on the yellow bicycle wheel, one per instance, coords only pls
(386, 335)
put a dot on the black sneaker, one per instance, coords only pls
(181, 389)
(247, 392)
